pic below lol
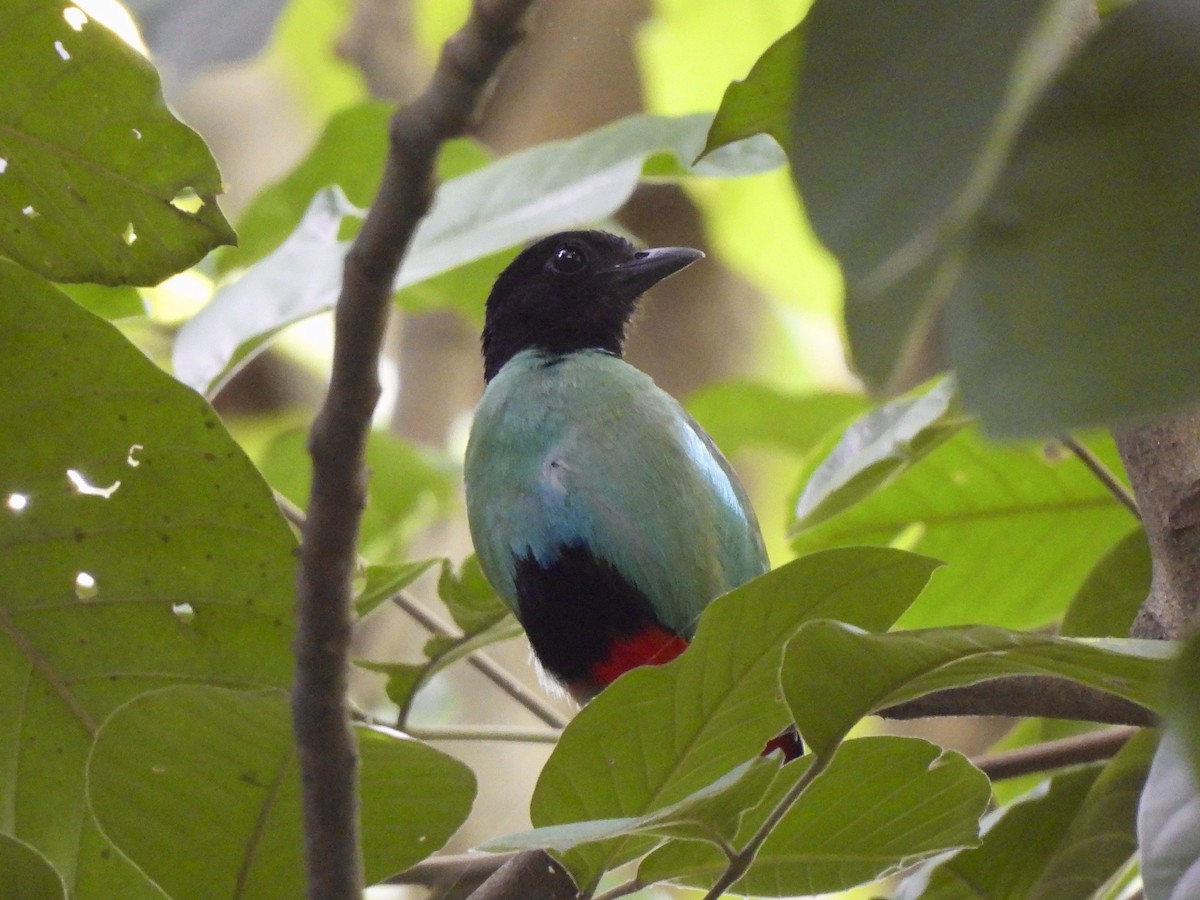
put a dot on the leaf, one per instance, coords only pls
(1019, 528)
(556, 185)
(200, 766)
(1108, 600)
(889, 160)
(1018, 840)
(883, 803)
(382, 582)
(1168, 825)
(168, 563)
(892, 668)
(407, 483)
(349, 153)
(112, 303)
(762, 103)
(476, 609)
(713, 812)
(1088, 223)
(1101, 837)
(1183, 701)
(1063, 840)
(877, 449)
(660, 733)
(93, 161)
(743, 413)
(25, 873)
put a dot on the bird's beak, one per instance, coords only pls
(648, 268)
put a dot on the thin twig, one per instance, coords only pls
(293, 513)
(326, 746)
(487, 733)
(487, 666)
(621, 890)
(1103, 473)
(1073, 751)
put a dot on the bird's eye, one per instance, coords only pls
(567, 260)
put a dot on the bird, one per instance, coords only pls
(601, 512)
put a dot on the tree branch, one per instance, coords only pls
(1162, 459)
(533, 873)
(1026, 695)
(1084, 748)
(324, 614)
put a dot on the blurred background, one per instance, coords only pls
(259, 80)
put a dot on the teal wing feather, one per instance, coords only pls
(589, 451)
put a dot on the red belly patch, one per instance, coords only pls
(652, 646)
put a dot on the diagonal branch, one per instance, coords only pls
(321, 716)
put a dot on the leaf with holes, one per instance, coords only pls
(98, 180)
(198, 766)
(139, 547)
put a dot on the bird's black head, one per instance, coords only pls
(571, 291)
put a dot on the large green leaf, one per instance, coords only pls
(138, 548)
(762, 103)
(1061, 841)
(898, 118)
(546, 188)
(199, 786)
(659, 733)
(891, 668)
(27, 875)
(1077, 295)
(877, 449)
(92, 163)
(1108, 600)
(712, 813)
(1019, 527)
(741, 413)
(883, 803)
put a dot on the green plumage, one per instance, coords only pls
(585, 450)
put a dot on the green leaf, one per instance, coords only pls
(887, 159)
(712, 813)
(891, 668)
(762, 103)
(112, 303)
(1109, 599)
(1075, 304)
(476, 609)
(93, 161)
(168, 563)
(660, 733)
(742, 413)
(877, 449)
(883, 803)
(382, 582)
(349, 153)
(1019, 527)
(197, 766)
(556, 185)
(407, 484)
(1183, 701)
(1063, 839)
(27, 875)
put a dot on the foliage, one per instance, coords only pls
(1019, 217)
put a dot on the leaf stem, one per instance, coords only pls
(1102, 472)
(1084, 748)
(490, 733)
(740, 862)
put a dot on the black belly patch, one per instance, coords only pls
(575, 608)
